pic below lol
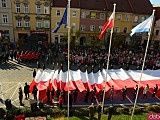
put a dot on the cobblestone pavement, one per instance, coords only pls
(12, 76)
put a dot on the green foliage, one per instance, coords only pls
(153, 108)
(137, 110)
(2, 112)
(120, 110)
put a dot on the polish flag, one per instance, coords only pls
(150, 77)
(54, 80)
(64, 83)
(85, 80)
(45, 79)
(109, 24)
(77, 80)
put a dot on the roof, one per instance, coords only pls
(157, 13)
(130, 6)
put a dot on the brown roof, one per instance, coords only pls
(130, 6)
(157, 13)
(141, 6)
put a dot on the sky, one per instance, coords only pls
(155, 2)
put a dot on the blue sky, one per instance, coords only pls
(155, 1)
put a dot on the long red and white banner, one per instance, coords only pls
(119, 78)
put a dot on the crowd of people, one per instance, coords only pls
(87, 57)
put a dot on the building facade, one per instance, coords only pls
(6, 24)
(92, 17)
(31, 17)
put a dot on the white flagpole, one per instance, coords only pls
(149, 34)
(108, 58)
(69, 30)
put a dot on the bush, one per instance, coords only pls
(79, 112)
(2, 112)
(153, 108)
(120, 110)
(137, 110)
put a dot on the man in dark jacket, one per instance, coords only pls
(26, 91)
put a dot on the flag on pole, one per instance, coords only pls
(63, 20)
(109, 24)
(143, 27)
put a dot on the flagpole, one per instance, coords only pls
(69, 30)
(149, 34)
(108, 59)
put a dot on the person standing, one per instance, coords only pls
(145, 90)
(38, 65)
(70, 99)
(124, 93)
(61, 100)
(111, 93)
(86, 95)
(135, 92)
(91, 111)
(110, 112)
(75, 94)
(34, 73)
(99, 109)
(93, 94)
(20, 96)
(26, 90)
(155, 91)
(34, 92)
(48, 95)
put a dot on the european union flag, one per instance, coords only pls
(64, 20)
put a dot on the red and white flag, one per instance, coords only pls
(109, 24)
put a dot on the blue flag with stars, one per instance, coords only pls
(63, 20)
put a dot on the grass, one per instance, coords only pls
(104, 117)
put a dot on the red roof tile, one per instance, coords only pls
(130, 6)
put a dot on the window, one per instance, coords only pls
(26, 9)
(157, 32)
(83, 15)
(74, 14)
(117, 29)
(19, 23)
(136, 19)
(83, 27)
(73, 26)
(4, 3)
(143, 18)
(92, 27)
(46, 24)
(127, 17)
(102, 16)
(26, 23)
(38, 9)
(125, 30)
(58, 13)
(46, 10)
(119, 17)
(5, 18)
(93, 15)
(39, 23)
(18, 8)
(100, 28)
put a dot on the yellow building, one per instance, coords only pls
(56, 16)
(31, 16)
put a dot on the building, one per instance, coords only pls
(31, 17)
(57, 11)
(6, 24)
(92, 14)
(156, 34)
